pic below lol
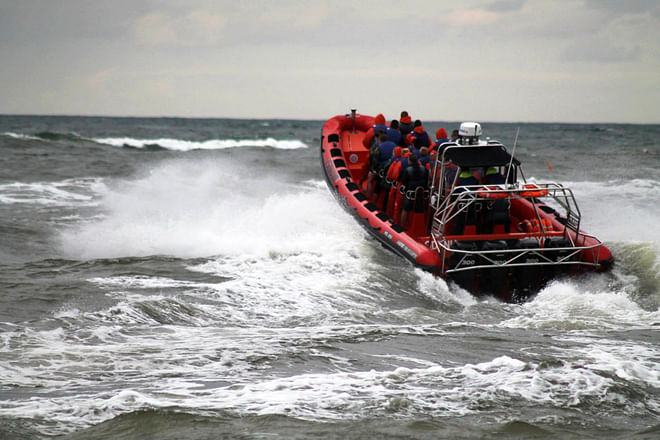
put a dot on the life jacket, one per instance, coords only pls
(493, 177)
(379, 125)
(415, 176)
(413, 150)
(436, 145)
(405, 127)
(386, 152)
(393, 135)
(419, 138)
(378, 128)
(374, 157)
(404, 165)
(395, 170)
(466, 178)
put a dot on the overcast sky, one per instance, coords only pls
(485, 60)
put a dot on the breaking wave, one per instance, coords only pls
(164, 143)
(20, 136)
(196, 210)
(69, 192)
(214, 144)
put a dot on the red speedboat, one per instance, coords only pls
(506, 239)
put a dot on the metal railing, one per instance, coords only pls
(513, 257)
(461, 199)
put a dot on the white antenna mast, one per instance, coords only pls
(513, 151)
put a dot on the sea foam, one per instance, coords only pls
(586, 304)
(20, 136)
(69, 192)
(619, 210)
(196, 209)
(214, 144)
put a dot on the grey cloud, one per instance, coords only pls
(141, 56)
(601, 51)
(506, 5)
(625, 7)
(342, 26)
(46, 23)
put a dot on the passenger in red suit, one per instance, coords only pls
(440, 138)
(379, 125)
(395, 168)
(418, 138)
(405, 126)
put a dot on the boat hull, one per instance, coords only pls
(343, 167)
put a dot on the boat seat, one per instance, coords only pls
(470, 217)
(497, 217)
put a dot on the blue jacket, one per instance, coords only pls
(386, 151)
(404, 165)
(405, 128)
(439, 142)
(420, 139)
(382, 128)
(394, 135)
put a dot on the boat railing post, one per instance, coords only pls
(353, 115)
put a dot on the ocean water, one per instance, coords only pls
(170, 278)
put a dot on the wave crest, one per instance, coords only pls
(213, 144)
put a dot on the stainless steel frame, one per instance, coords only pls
(448, 201)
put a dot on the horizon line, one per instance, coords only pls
(65, 115)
